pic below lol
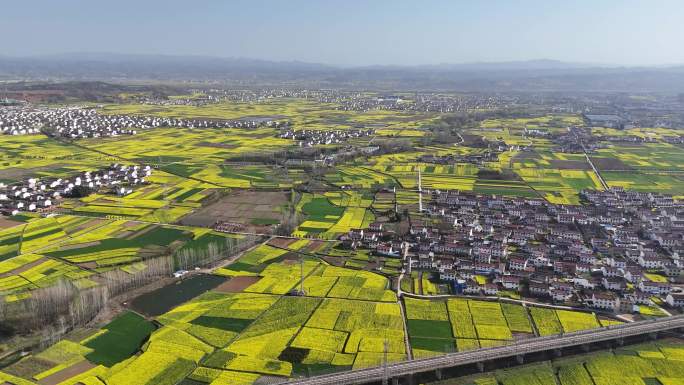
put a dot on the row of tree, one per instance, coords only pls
(52, 311)
(191, 256)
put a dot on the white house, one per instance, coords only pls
(606, 300)
(675, 299)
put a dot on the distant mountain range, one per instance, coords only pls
(534, 75)
(541, 64)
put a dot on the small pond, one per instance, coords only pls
(160, 301)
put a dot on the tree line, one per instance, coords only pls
(52, 311)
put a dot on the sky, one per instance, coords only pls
(354, 32)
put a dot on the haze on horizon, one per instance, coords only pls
(354, 32)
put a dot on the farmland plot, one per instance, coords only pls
(428, 326)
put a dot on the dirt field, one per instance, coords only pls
(79, 245)
(90, 223)
(67, 373)
(570, 164)
(291, 258)
(7, 223)
(237, 284)
(242, 206)
(522, 156)
(133, 234)
(281, 242)
(609, 164)
(335, 261)
(313, 246)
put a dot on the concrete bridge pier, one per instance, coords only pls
(395, 381)
(520, 359)
(585, 348)
(557, 353)
(653, 336)
(620, 341)
(438, 374)
(480, 367)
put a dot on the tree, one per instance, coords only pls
(288, 223)
(80, 191)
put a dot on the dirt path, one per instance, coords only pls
(67, 373)
(409, 352)
(420, 283)
(596, 171)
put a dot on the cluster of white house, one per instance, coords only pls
(87, 122)
(309, 138)
(614, 253)
(41, 194)
(425, 102)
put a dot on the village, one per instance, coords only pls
(475, 158)
(619, 253)
(43, 195)
(310, 138)
(87, 122)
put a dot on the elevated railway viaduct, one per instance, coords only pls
(403, 372)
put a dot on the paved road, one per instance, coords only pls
(363, 376)
(596, 171)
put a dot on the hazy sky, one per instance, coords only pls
(354, 32)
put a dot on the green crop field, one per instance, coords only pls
(121, 339)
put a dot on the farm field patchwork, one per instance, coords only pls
(306, 302)
(261, 334)
(550, 321)
(326, 220)
(44, 250)
(646, 181)
(560, 186)
(436, 326)
(240, 337)
(658, 362)
(650, 157)
(166, 200)
(358, 333)
(279, 272)
(35, 156)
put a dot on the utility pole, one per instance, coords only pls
(385, 374)
(406, 258)
(420, 192)
(301, 270)
(396, 205)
